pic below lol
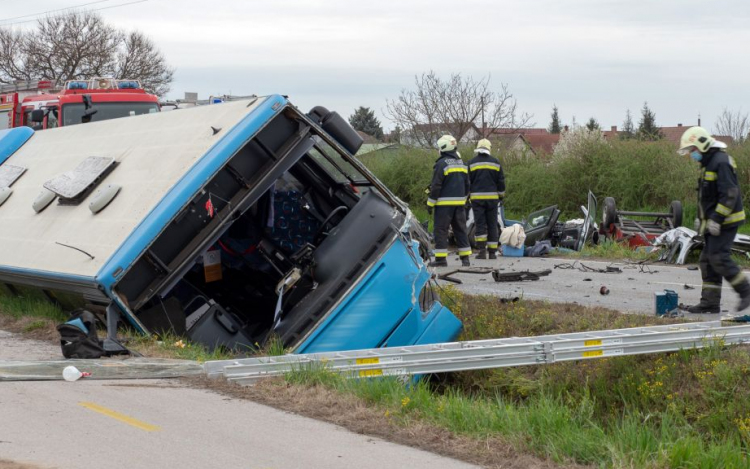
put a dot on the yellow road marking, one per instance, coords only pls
(121, 417)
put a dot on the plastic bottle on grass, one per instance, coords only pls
(71, 373)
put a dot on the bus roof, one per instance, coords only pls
(162, 161)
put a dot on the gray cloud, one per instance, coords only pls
(591, 57)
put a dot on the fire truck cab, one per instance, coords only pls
(82, 101)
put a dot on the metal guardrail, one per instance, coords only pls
(484, 354)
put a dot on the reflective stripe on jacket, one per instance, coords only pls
(450, 181)
(487, 178)
(719, 194)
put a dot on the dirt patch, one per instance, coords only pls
(31, 327)
(353, 414)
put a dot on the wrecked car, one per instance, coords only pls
(228, 224)
(544, 225)
(638, 228)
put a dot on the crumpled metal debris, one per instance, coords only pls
(519, 276)
(448, 276)
(610, 269)
(678, 243)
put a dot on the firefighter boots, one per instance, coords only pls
(744, 290)
(710, 302)
(465, 261)
(439, 262)
(482, 246)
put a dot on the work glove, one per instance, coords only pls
(429, 210)
(697, 225)
(713, 227)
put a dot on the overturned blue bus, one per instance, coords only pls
(228, 224)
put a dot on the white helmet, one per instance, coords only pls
(484, 144)
(697, 137)
(446, 143)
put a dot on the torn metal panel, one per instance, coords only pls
(677, 244)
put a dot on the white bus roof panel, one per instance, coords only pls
(153, 153)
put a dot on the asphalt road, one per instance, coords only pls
(161, 423)
(631, 291)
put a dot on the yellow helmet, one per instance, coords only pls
(697, 137)
(446, 143)
(484, 144)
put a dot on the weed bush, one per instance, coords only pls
(639, 175)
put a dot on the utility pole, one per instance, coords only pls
(483, 124)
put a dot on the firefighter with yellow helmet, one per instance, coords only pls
(487, 190)
(448, 192)
(720, 213)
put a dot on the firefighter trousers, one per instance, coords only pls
(451, 216)
(716, 263)
(485, 218)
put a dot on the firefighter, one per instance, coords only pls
(720, 214)
(487, 190)
(448, 195)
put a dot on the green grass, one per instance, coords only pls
(679, 410)
(18, 307)
(640, 176)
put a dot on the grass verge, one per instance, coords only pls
(681, 410)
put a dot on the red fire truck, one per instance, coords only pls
(41, 105)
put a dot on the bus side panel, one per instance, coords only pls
(378, 306)
(444, 327)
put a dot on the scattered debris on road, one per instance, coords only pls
(519, 276)
(448, 276)
(610, 269)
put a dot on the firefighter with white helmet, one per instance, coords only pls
(720, 213)
(448, 192)
(487, 190)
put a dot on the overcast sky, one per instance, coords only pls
(591, 57)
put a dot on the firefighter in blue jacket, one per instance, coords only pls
(720, 214)
(448, 192)
(487, 190)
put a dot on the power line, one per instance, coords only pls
(53, 11)
(85, 11)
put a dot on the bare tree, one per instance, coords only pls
(76, 46)
(452, 106)
(141, 59)
(733, 124)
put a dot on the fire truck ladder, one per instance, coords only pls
(30, 85)
(484, 354)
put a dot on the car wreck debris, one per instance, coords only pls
(623, 226)
(580, 266)
(519, 276)
(448, 276)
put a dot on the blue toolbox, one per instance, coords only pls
(665, 302)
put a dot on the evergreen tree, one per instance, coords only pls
(628, 130)
(554, 126)
(592, 124)
(647, 129)
(365, 121)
